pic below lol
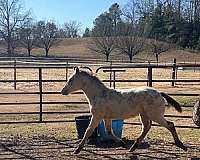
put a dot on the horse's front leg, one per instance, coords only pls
(93, 124)
(109, 130)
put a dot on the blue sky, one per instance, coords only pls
(83, 11)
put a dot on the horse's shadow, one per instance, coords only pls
(112, 144)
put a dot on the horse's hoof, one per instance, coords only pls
(185, 148)
(181, 145)
(122, 143)
(133, 148)
(77, 151)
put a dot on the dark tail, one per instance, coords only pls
(171, 101)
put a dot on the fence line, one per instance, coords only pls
(110, 69)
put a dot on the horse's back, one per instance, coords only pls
(150, 100)
(127, 103)
(147, 96)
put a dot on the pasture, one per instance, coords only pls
(58, 140)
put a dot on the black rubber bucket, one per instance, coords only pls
(82, 123)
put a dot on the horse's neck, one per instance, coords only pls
(92, 88)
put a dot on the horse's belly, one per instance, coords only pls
(121, 111)
(113, 108)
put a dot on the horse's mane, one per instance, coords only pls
(92, 78)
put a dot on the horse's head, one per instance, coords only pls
(73, 83)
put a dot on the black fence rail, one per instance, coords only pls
(174, 67)
(112, 70)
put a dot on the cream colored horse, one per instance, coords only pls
(107, 104)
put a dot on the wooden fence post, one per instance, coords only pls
(40, 92)
(149, 76)
(174, 72)
(15, 75)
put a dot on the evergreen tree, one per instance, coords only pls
(86, 33)
(115, 16)
(106, 24)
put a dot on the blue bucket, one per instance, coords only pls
(117, 127)
(82, 123)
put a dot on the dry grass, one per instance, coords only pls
(78, 47)
(64, 131)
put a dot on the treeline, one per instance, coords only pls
(19, 30)
(176, 21)
(128, 29)
(157, 23)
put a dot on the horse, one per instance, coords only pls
(107, 104)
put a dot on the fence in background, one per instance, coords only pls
(112, 70)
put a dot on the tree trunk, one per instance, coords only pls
(130, 58)
(157, 59)
(47, 52)
(29, 52)
(179, 10)
(9, 48)
(107, 57)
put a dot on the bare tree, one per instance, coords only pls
(61, 33)
(72, 29)
(27, 37)
(131, 43)
(15, 43)
(12, 16)
(103, 41)
(102, 45)
(159, 47)
(46, 35)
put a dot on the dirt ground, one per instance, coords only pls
(34, 142)
(50, 148)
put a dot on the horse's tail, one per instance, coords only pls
(171, 101)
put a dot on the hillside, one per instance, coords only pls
(78, 48)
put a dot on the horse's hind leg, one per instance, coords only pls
(93, 124)
(109, 130)
(170, 126)
(175, 136)
(146, 125)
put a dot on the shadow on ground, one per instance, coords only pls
(51, 148)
